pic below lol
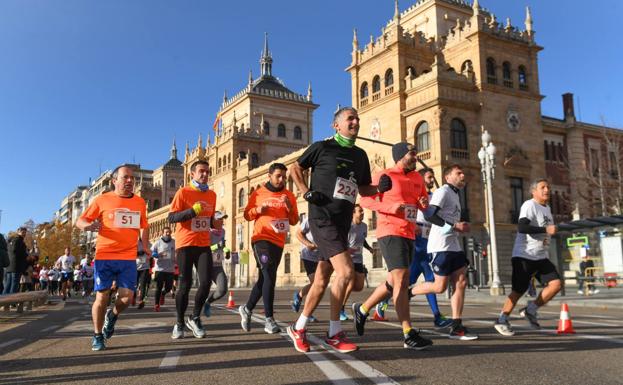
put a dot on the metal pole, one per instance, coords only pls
(496, 283)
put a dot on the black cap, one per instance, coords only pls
(399, 150)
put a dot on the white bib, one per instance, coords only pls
(127, 219)
(280, 225)
(424, 231)
(345, 189)
(142, 259)
(200, 224)
(411, 213)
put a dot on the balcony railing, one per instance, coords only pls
(459, 154)
(389, 90)
(425, 155)
(492, 79)
(376, 96)
(363, 102)
(523, 86)
(508, 83)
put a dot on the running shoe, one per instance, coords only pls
(504, 328)
(162, 300)
(156, 308)
(299, 339)
(415, 341)
(442, 322)
(340, 343)
(178, 331)
(207, 309)
(245, 318)
(109, 324)
(343, 315)
(359, 318)
(296, 302)
(98, 343)
(312, 319)
(194, 324)
(271, 326)
(381, 307)
(141, 305)
(460, 332)
(581, 292)
(531, 317)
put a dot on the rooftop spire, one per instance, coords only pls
(309, 92)
(396, 10)
(266, 61)
(528, 20)
(476, 7)
(174, 150)
(250, 77)
(200, 141)
(355, 40)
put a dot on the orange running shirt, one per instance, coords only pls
(274, 223)
(121, 219)
(196, 231)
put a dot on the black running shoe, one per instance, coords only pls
(359, 318)
(415, 341)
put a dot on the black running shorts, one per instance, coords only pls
(397, 251)
(524, 269)
(330, 237)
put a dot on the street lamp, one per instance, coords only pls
(487, 164)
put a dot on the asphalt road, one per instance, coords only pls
(52, 345)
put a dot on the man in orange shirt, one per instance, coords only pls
(397, 209)
(273, 208)
(192, 209)
(118, 217)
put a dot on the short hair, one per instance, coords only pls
(340, 111)
(448, 169)
(166, 228)
(277, 166)
(424, 170)
(357, 205)
(536, 182)
(197, 163)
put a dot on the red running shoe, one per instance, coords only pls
(156, 308)
(162, 300)
(340, 343)
(299, 339)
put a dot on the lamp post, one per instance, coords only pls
(487, 164)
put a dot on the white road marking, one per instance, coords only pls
(331, 370)
(50, 328)
(170, 359)
(10, 342)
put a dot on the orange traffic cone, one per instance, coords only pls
(564, 325)
(230, 301)
(377, 317)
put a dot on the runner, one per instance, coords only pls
(309, 258)
(340, 170)
(87, 276)
(397, 213)
(143, 278)
(449, 262)
(54, 276)
(219, 253)
(65, 263)
(43, 278)
(273, 208)
(531, 258)
(192, 209)
(356, 242)
(117, 216)
(163, 252)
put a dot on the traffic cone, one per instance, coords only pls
(564, 324)
(377, 317)
(230, 301)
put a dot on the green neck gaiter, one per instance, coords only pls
(342, 141)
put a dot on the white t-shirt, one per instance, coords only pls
(87, 271)
(356, 238)
(166, 255)
(307, 254)
(534, 246)
(67, 263)
(77, 275)
(422, 223)
(43, 275)
(450, 211)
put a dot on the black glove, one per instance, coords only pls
(314, 197)
(385, 184)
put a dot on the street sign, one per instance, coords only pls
(577, 241)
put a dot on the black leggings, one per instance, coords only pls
(164, 284)
(268, 257)
(220, 279)
(201, 258)
(142, 281)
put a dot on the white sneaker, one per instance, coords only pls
(580, 292)
(195, 326)
(178, 332)
(271, 326)
(596, 291)
(504, 328)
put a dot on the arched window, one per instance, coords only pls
(220, 163)
(506, 74)
(491, 78)
(363, 91)
(298, 133)
(156, 204)
(389, 77)
(255, 160)
(242, 155)
(281, 130)
(522, 78)
(421, 137)
(376, 84)
(458, 135)
(241, 198)
(266, 128)
(466, 67)
(229, 158)
(172, 183)
(411, 72)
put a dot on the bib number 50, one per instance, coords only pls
(200, 224)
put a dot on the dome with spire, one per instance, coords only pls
(173, 162)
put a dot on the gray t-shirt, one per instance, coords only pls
(217, 240)
(166, 255)
(533, 246)
(307, 254)
(356, 238)
(142, 260)
(450, 211)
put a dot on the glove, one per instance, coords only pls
(314, 197)
(385, 183)
(197, 208)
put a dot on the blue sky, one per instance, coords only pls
(86, 85)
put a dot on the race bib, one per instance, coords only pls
(345, 189)
(127, 219)
(280, 225)
(200, 224)
(410, 213)
(424, 231)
